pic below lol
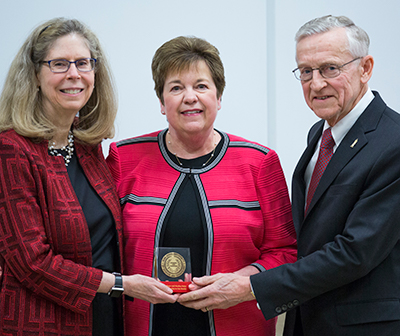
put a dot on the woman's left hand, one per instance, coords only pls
(148, 289)
(219, 291)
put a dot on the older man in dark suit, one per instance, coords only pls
(346, 202)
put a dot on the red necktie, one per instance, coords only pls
(325, 154)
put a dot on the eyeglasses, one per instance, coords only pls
(326, 71)
(62, 65)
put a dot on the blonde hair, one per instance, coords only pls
(21, 106)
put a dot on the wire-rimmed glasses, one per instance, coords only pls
(62, 65)
(327, 71)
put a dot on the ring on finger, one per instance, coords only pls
(206, 308)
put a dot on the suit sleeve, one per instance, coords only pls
(24, 243)
(370, 215)
(279, 243)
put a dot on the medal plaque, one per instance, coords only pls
(173, 268)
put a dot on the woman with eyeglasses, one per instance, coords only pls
(60, 227)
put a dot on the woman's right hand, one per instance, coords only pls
(148, 289)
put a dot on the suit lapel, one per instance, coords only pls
(348, 148)
(298, 182)
(352, 143)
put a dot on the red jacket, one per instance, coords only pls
(246, 206)
(48, 284)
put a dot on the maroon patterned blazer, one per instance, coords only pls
(48, 283)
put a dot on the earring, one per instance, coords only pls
(38, 88)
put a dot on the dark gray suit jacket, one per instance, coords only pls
(347, 278)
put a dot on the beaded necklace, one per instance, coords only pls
(69, 148)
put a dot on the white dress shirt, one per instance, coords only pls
(339, 131)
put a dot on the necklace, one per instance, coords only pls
(69, 148)
(209, 159)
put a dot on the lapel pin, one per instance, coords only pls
(354, 143)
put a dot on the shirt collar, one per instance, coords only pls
(340, 130)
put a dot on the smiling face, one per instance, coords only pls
(333, 98)
(190, 101)
(64, 94)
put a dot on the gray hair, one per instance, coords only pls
(358, 40)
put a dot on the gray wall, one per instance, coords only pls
(262, 102)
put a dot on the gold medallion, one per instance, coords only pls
(173, 264)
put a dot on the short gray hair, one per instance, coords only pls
(358, 40)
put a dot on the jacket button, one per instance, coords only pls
(296, 302)
(284, 307)
(278, 310)
(290, 305)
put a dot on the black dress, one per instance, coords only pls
(107, 312)
(185, 226)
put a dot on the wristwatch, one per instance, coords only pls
(117, 290)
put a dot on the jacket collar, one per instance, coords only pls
(352, 143)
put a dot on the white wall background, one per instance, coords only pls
(379, 19)
(262, 101)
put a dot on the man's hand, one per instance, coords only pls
(219, 291)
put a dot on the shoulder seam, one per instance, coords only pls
(246, 144)
(135, 141)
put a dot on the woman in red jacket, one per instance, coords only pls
(60, 231)
(193, 186)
